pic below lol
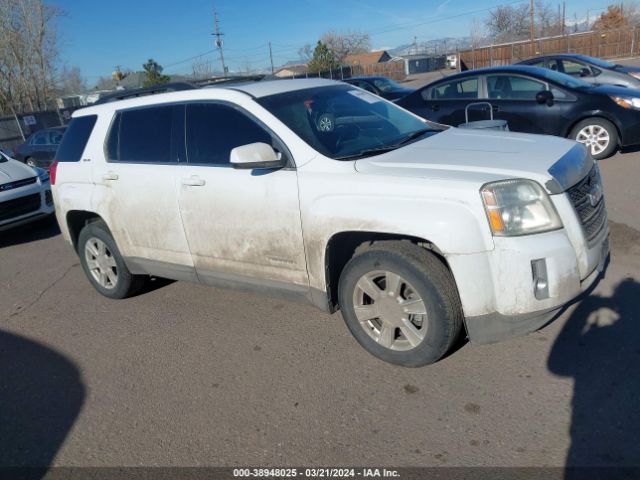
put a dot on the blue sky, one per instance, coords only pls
(96, 36)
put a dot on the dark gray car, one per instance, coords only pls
(40, 148)
(589, 69)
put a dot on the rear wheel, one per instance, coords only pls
(598, 135)
(103, 264)
(400, 303)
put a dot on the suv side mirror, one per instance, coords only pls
(545, 96)
(256, 155)
(585, 72)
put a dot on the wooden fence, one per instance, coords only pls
(607, 44)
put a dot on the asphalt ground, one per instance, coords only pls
(186, 375)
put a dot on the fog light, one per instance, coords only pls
(48, 198)
(540, 280)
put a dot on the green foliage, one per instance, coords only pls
(153, 74)
(323, 59)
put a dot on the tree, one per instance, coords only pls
(202, 69)
(153, 74)
(507, 23)
(28, 54)
(71, 81)
(305, 53)
(614, 17)
(323, 59)
(348, 43)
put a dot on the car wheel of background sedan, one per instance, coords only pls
(30, 162)
(598, 135)
(103, 264)
(400, 303)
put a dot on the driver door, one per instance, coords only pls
(243, 226)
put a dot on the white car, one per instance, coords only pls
(25, 193)
(321, 192)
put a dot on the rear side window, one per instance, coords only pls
(213, 130)
(459, 90)
(75, 138)
(142, 135)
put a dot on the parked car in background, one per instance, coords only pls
(40, 148)
(413, 230)
(589, 69)
(536, 100)
(25, 193)
(452, 61)
(381, 86)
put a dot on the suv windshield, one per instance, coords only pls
(342, 122)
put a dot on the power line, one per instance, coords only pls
(218, 42)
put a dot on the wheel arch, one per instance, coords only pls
(76, 221)
(601, 115)
(342, 246)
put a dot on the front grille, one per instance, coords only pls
(588, 201)
(19, 206)
(17, 184)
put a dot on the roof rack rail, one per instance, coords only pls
(229, 79)
(141, 92)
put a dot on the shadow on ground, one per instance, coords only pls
(40, 230)
(599, 347)
(41, 394)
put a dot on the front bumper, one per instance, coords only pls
(11, 215)
(499, 289)
(495, 327)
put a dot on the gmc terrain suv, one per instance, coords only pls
(323, 192)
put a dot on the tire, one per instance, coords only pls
(433, 326)
(29, 162)
(592, 132)
(120, 283)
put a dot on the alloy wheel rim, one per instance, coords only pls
(595, 137)
(390, 310)
(101, 263)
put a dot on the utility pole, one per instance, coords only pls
(564, 22)
(271, 58)
(532, 27)
(218, 34)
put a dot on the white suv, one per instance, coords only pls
(322, 192)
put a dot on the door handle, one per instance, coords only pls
(495, 108)
(193, 181)
(110, 176)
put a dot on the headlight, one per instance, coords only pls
(43, 175)
(627, 102)
(518, 207)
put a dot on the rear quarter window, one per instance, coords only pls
(75, 138)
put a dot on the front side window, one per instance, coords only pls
(513, 87)
(342, 123)
(458, 90)
(573, 68)
(142, 135)
(213, 130)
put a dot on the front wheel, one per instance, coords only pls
(400, 303)
(103, 264)
(598, 135)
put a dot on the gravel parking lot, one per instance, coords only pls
(190, 375)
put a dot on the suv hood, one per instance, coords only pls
(483, 156)
(13, 170)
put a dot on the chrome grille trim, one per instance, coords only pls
(592, 215)
(17, 184)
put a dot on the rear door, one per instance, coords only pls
(136, 192)
(446, 102)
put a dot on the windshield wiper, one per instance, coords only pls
(387, 148)
(413, 136)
